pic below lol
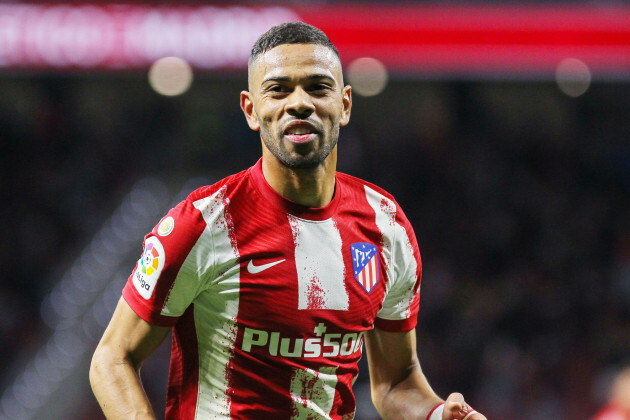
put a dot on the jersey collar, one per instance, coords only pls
(288, 206)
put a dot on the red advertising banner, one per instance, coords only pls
(418, 40)
(509, 40)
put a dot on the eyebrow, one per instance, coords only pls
(288, 79)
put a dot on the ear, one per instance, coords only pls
(347, 106)
(247, 105)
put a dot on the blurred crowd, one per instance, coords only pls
(519, 196)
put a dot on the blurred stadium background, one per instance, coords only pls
(503, 130)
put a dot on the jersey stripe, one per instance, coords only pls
(385, 219)
(184, 290)
(183, 387)
(372, 273)
(222, 297)
(402, 265)
(320, 269)
(313, 393)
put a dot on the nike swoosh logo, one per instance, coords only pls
(255, 269)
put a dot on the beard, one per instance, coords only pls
(295, 160)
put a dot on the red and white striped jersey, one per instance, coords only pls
(270, 300)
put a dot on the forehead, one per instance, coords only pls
(296, 60)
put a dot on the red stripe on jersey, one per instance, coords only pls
(257, 388)
(181, 396)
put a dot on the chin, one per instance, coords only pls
(302, 163)
(294, 160)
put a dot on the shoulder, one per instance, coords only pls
(359, 185)
(375, 195)
(189, 217)
(224, 187)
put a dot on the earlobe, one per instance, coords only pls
(247, 105)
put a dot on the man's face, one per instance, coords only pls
(298, 102)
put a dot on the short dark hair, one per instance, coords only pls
(290, 33)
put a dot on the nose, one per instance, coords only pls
(299, 104)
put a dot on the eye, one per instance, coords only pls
(277, 89)
(320, 88)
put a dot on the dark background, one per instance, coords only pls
(519, 196)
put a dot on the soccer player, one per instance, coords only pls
(273, 278)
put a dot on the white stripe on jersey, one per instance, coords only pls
(385, 219)
(398, 255)
(313, 392)
(320, 268)
(216, 327)
(372, 270)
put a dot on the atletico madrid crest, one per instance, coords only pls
(365, 264)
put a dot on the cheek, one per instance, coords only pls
(269, 123)
(334, 116)
(331, 109)
(269, 114)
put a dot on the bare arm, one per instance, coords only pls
(115, 370)
(399, 388)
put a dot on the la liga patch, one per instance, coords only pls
(365, 264)
(149, 267)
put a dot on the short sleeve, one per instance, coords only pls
(402, 300)
(166, 278)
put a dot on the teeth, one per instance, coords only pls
(299, 130)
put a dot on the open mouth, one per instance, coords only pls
(300, 132)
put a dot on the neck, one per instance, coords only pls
(309, 187)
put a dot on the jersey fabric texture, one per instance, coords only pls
(270, 300)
